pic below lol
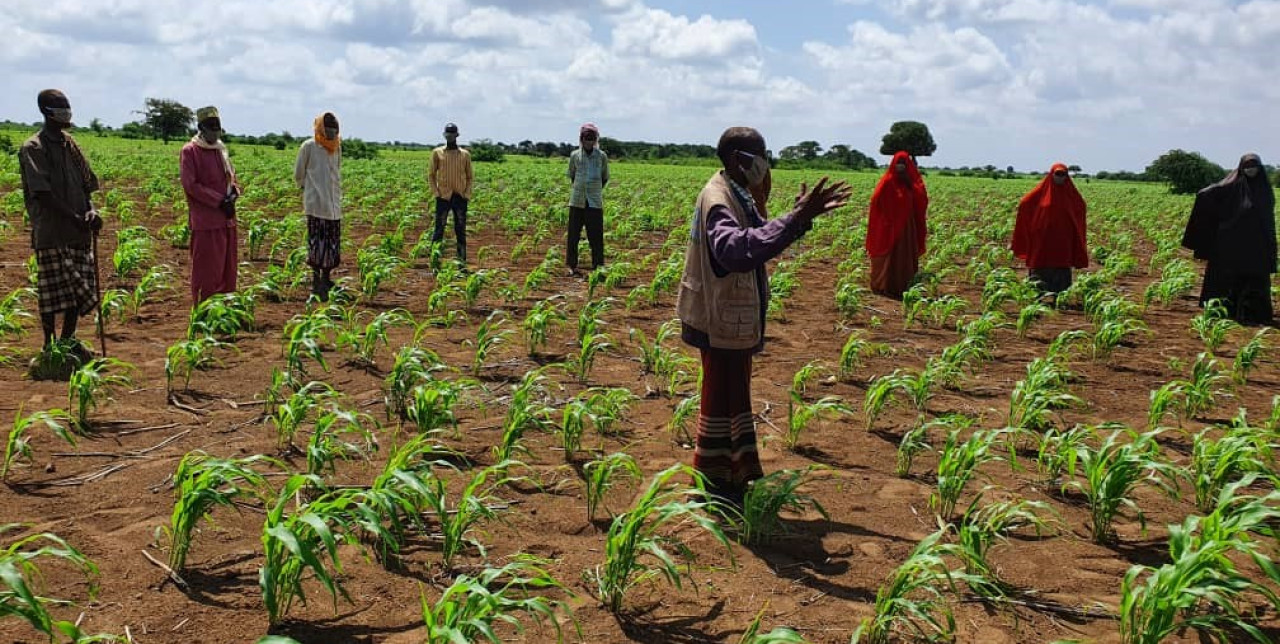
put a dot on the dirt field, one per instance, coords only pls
(820, 580)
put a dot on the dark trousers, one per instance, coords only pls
(458, 205)
(593, 219)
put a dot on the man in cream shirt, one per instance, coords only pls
(319, 174)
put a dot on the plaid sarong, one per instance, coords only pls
(324, 242)
(66, 280)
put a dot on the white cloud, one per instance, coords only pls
(659, 34)
(1111, 83)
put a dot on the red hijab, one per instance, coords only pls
(1050, 229)
(893, 201)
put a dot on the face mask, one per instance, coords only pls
(1251, 172)
(59, 114)
(210, 136)
(331, 133)
(1059, 179)
(757, 172)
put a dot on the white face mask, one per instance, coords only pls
(1251, 172)
(757, 172)
(59, 114)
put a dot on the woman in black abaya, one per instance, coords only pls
(1233, 228)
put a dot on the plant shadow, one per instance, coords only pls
(679, 630)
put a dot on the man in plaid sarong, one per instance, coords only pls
(56, 185)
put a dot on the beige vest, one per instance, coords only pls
(726, 308)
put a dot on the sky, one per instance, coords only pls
(1107, 85)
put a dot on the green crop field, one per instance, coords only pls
(443, 455)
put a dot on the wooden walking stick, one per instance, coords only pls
(97, 286)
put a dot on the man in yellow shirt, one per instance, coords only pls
(451, 180)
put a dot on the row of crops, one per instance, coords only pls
(539, 360)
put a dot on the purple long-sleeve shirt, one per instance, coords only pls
(735, 249)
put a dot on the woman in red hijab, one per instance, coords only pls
(1049, 234)
(896, 226)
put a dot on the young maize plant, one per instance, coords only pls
(1113, 470)
(134, 249)
(806, 374)
(1065, 344)
(477, 502)
(470, 606)
(413, 366)
(185, 357)
(913, 443)
(21, 578)
(589, 348)
(430, 406)
(911, 601)
(539, 322)
(363, 341)
(18, 445)
(1198, 394)
(983, 526)
(306, 540)
(1037, 398)
(489, 336)
(854, 353)
(800, 414)
(203, 482)
(1197, 590)
(958, 463)
(1113, 333)
(376, 267)
(636, 546)
(1215, 464)
(94, 383)
(957, 361)
(1272, 423)
(1212, 325)
(882, 390)
(12, 313)
(395, 501)
(1029, 315)
(224, 315)
(766, 498)
(1248, 355)
(156, 280)
(684, 413)
(590, 317)
(599, 476)
(327, 445)
(305, 337)
(1178, 277)
(527, 410)
(652, 354)
(1057, 452)
(289, 416)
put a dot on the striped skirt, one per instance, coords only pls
(725, 450)
(66, 280)
(324, 242)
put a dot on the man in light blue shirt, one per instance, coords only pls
(589, 173)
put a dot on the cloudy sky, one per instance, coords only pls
(1108, 84)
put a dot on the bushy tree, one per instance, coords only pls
(486, 151)
(912, 137)
(1185, 172)
(357, 149)
(849, 157)
(167, 119)
(6, 145)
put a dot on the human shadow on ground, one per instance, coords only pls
(639, 626)
(800, 555)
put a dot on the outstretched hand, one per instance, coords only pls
(822, 199)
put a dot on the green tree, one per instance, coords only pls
(1185, 172)
(357, 149)
(167, 119)
(486, 151)
(97, 126)
(912, 137)
(849, 157)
